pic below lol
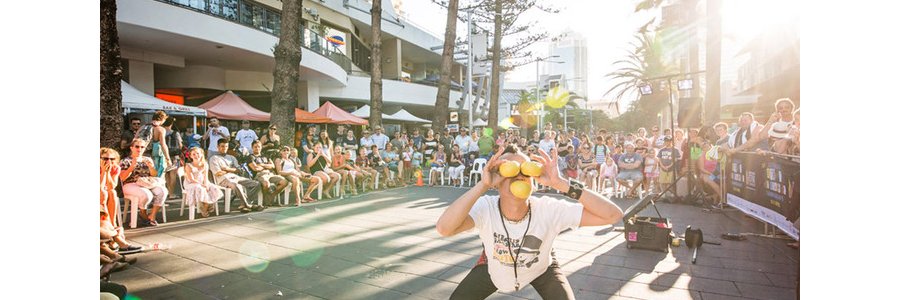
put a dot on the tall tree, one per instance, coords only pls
(287, 70)
(495, 63)
(110, 77)
(442, 103)
(375, 84)
(644, 61)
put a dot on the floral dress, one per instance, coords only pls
(194, 193)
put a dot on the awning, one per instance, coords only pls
(134, 100)
(405, 116)
(363, 112)
(308, 117)
(229, 106)
(339, 115)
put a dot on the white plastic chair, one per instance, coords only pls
(226, 191)
(126, 199)
(439, 170)
(477, 169)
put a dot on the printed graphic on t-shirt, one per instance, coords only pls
(529, 250)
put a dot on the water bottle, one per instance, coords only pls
(158, 247)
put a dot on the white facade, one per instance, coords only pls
(572, 50)
(200, 48)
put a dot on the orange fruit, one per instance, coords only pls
(521, 189)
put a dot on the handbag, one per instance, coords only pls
(149, 182)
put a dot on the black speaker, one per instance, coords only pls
(689, 112)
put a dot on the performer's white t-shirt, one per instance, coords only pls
(549, 216)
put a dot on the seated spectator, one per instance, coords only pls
(548, 142)
(437, 161)
(109, 202)
(455, 165)
(318, 163)
(263, 170)
(357, 176)
(226, 172)
(270, 142)
(198, 190)
(140, 181)
(587, 164)
(707, 166)
(339, 165)
(287, 165)
(571, 162)
(392, 158)
(365, 165)
(608, 170)
(630, 169)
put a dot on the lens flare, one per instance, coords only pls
(506, 123)
(131, 297)
(254, 256)
(557, 97)
(306, 258)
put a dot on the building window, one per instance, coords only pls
(230, 9)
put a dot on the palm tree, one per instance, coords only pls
(442, 103)
(110, 77)
(375, 83)
(287, 70)
(645, 61)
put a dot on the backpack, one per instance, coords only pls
(145, 133)
(174, 142)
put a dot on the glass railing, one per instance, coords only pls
(265, 19)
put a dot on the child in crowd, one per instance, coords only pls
(651, 170)
(407, 163)
(571, 170)
(608, 170)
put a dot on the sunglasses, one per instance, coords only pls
(139, 147)
(108, 158)
(135, 124)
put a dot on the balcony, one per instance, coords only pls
(262, 18)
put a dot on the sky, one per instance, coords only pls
(609, 27)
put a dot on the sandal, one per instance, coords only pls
(307, 199)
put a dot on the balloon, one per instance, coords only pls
(557, 97)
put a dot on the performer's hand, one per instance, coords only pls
(491, 177)
(550, 176)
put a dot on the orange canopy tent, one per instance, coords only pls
(229, 106)
(308, 117)
(339, 115)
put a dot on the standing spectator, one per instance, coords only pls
(749, 133)
(668, 156)
(351, 144)
(600, 151)
(214, 133)
(456, 166)
(463, 140)
(779, 126)
(191, 139)
(379, 138)
(641, 134)
(139, 179)
(473, 145)
(406, 156)
(341, 135)
(721, 134)
(417, 139)
(366, 141)
(418, 158)
(535, 138)
(657, 140)
(198, 190)
(447, 141)
(264, 170)
(630, 169)
(225, 170)
(651, 170)
(397, 142)
(548, 142)
(794, 149)
(679, 138)
(270, 142)
(429, 145)
(287, 165)
(159, 151)
(128, 135)
(574, 137)
(246, 136)
(608, 170)
(174, 144)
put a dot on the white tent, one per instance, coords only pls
(479, 122)
(405, 116)
(135, 101)
(362, 112)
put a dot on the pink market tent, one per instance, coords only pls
(339, 115)
(303, 116)
(229, 106)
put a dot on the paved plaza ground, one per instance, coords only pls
(383, 245)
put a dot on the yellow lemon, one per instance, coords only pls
(509, 169)
(532, 168)
(520, 188)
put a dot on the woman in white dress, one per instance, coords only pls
(197, 188)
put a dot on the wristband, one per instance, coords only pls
(575, 189)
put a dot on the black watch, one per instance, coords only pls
(575, 189)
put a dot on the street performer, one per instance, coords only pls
(517, 230)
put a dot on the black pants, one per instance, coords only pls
(114, 288)
(478, 285)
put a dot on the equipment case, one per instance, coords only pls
(643, 232)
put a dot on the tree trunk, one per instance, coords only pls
(442, 104)
(287, 71)
(375, 85)
(110, 77)
(713, 61)
(495, 65)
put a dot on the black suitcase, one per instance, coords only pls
(642, 232)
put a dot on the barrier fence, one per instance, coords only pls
(766, 187)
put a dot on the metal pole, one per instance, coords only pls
(537, 93)
(469, 62)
